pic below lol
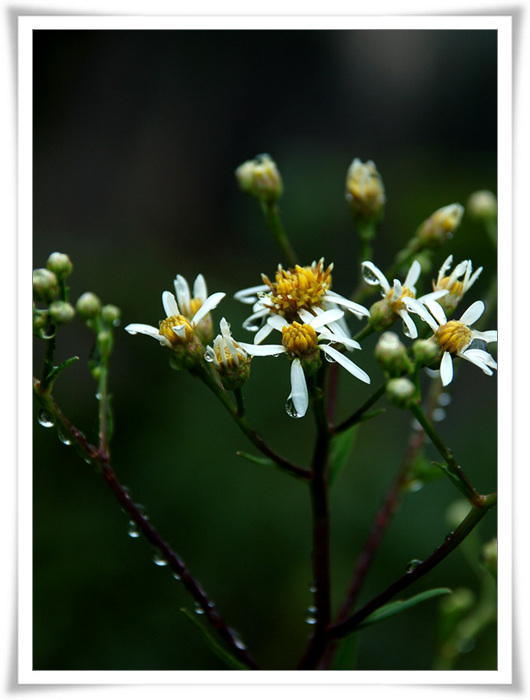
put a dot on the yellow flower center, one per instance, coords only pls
(398, 304)
(299, 339)
(166, 329)
(453, 336)
(298, 288)
(227, 361)
(195, 305)
(456, 289)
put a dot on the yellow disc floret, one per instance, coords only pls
(299, 339)
(453, 336)
(397, 304)
(298, 288)
(166, 329)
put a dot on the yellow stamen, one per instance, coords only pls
(166, 329)
(456, 289)
(298, 288)
(195, 305)
(299, 339)
(453, 336)
(398, 304)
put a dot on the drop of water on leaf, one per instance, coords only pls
(413, 564)
(159, 560)
(198, 609)
(310, 616)
(290, 409)
(133, 530)
(46, 419)
(369, 277)
(65, 439)
(176, 576)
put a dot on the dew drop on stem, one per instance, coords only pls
(46, 419)
(133, 530)
(159, 559)
(413, 564)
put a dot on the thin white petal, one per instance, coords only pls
(170, 304)
(182, 291)
(462, 268)
(339, 338)
(381, 279)
(144, 329)
(352, 306)
(249, 295)
(472, 314)
(263, 332)
(445, 266)
(224, 326)
(481, 358)
(435, 309)
(262, 350)
(200, 290)
(397, 290)
(473, 278)
(412, 275)
(277, 322)
(326, 317)
(210, 303)
(486, 336)
(438, 294)
(346, 363)
(249, 323)
(446, 369)
(298, 395)
(409, 323)
(414, 306)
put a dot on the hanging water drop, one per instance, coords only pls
(159, 560)
(208, 356)
(65, 439)
(329, 358)
(416, 485)
(46, 419)
(413, 563)
(406, 331)
(369, 276)
(290, 409)
(310, 617)
(133, 530)
(176, 576)
(198, 609)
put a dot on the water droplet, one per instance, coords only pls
(449, 535)
(310, 616)
(133, 530)
(65, 439)
(176, 576)
(406, 331)
(413, 563)
(329, 358)
(416, 485)
(198, 609)
(290, 409)
(312, 588)
(369, 276)
(159, 560)
(46, 419)
(208, 356)
(415, 425)
(99, 396)
(444, 399)
(237, 639)
(438, 414)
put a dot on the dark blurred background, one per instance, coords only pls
(136, 138)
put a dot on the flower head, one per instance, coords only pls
(260, 178)
(229, 358)
(184, 327)
(457, 282)
(439, 227)
(457, 338)
(302, 342)
(365, 191)
(384, 313)
(293, 290)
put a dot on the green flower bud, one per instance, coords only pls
(382, 315)
(425, 352)
(400, 392)
(111, 314)
(439, 227)
(260, 178)
(365, 192)
(105, 342)
(40, 322)
(61, 312)
(88, 306)
(392, 355)
(60, 264)
(482, 205)
(45, 284)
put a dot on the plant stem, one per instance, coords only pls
(272, 218)
(358, 415)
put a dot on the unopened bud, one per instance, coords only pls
(260, 178)
(425, 352)
(392, 355)
(482, 205)
(61, 312)
(400, 392)
(382, 315)
(365, 192)
(45, 284)
(88, 306)
(439, 227)
(111, 314)
(105, 342)
(59, 263)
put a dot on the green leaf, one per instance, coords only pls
(214, 644)
(399, 606)
(56, 371)
(262, 461)
(341, 447)
(344, 659)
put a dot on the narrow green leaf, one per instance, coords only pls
(341, 447)
(56, 371)
(346, 655)
(399, 606)
(454, 478)
(372, 414)
(214, 644)
(262, 461)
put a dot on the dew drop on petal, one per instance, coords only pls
(208, 356)
(46, 419)
(369, 277)
(133, 530)
(159, 560)
(329, 358)
(290, 409)
(406, 331)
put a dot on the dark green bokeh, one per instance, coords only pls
(136, 139)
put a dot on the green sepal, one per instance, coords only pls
(262, 461)
(398, 606)
(341, 446)
(214, 644)
(56, 371)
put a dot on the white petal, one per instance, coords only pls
(446, 368)
(412, 275)
(414, 306)
(262, 350)
(467, 285)
(445, 266)
(412, 331)
(200, 290)
(277, 322)
(481, 358)
(210, 303)
(224, 326)
(134, 328)
(249, 295)
(339, 338)
(474, 312)
(438, 294)
(397, 290)
(249, 323)
(352, 306)
(263, 332)
(326, 317)
(435, 309)
(346, 363)
(183, 293)
(462, 268)
(486, 336)
(180, 331)
(298, 395)
(170, 304)
(381, 279)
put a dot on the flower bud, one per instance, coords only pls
(425, 352)
(61, 312)
(260, 178)
(400, 392)
(229, 359)
(105, 342)
(439, 227)
(482, 205)
(60, 264)
(392, 355)
(381, 315)
(45, 284)
(88, 306)
(365, 192)
(111, 314)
